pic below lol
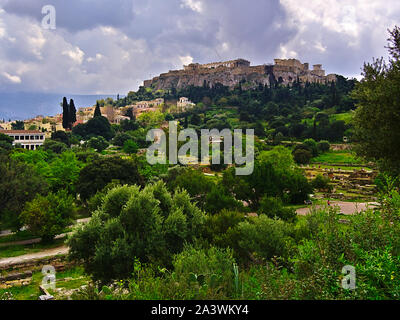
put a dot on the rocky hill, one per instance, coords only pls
(230, 73)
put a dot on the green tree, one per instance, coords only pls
(47, 216)
(130, 147)
(263, 237)
(5, 142)
(377, 119)
(312, 145)
(97, 111)
(19, 183)
(150, 225)
(98, 143)
(61, 136)
(97, 174)
(97, 126)
(71, 114)
(54, 146)
(65, 118)
(323, 146)
(273, 208)
(302, 156)
(120, 139)
(18, 125)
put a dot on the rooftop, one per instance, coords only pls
(22, 131)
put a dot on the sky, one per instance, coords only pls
(111, 46)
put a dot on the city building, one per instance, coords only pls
(30, 140)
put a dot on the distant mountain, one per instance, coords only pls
(23, 105)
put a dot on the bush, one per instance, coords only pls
(120, 139)
(61, 136)
(273, 208)
(54, 146)
(312, 145)
(218, 227)
(205, 270)
(323, 146)
(302, 156)
(321, 183)
(150, 224)
(47, 216)
(263, 237)
(98, 143)
(130, 147)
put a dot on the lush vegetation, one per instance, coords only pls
(174, 232)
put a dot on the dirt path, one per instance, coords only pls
(32, 256)
(346, 208)
(31, 241)
(36, 240)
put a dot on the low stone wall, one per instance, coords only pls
(58, 262)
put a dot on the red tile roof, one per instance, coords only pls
(22, 131)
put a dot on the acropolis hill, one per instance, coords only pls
(230, 73)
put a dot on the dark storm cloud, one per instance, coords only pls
(77, 15)
(111, 46)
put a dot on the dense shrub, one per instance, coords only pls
(321, 183)
(98, 143)
(264, 238)
(302, 156)
(150, 224)
(273, 208)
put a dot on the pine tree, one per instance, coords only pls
(71, 114)
(97, 112)
(65, 106)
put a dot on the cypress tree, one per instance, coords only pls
(71, 113)
(97, 112)
(65, 106)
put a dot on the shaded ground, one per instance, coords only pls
(345, 207)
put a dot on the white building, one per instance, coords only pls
(184, 103)
(30, 140)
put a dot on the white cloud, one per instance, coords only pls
(287, 54)
(318, 45)
(11, 78)
(186, 60)
(75, 54)
(193, 4)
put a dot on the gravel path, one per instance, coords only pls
(347, 208)
(33, 256)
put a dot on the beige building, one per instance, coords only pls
(30, 140)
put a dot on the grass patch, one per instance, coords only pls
(19, 250)
(32, 292)
(347, 117)
(19, 236)
(337, 157)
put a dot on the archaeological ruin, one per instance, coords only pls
(230, 73)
